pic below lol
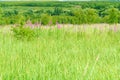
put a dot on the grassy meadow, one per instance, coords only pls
(71, 52)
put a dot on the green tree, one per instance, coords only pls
(1, 14)
(80, 16)
(57, 11)
(112, 15)
(91, 15)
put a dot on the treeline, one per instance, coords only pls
(61, 12)
(84, 4)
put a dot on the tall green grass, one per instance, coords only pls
(60, 54)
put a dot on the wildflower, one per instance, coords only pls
(36, 25)
(29, 24)
(115, 29)
(58, 25)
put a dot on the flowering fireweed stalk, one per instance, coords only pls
(31, 25)
(58, 54)
(58, 25)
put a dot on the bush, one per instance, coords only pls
(45, 19)
(24, 33)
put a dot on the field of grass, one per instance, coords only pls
(61, 54)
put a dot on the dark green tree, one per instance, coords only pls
(57, 11)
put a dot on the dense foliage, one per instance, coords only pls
(24, 33)
(62, 12)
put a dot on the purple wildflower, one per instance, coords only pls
(58, 25)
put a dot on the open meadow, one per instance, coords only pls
(59, 39)
(75, 52)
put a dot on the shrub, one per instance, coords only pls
(24, 33)
(45, 19)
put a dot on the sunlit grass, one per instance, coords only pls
(59, 54)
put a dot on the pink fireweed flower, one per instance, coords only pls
(29, 24)
(115, 29)
(36, 25)
(58, 25)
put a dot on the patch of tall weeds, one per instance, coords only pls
(24, 33)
